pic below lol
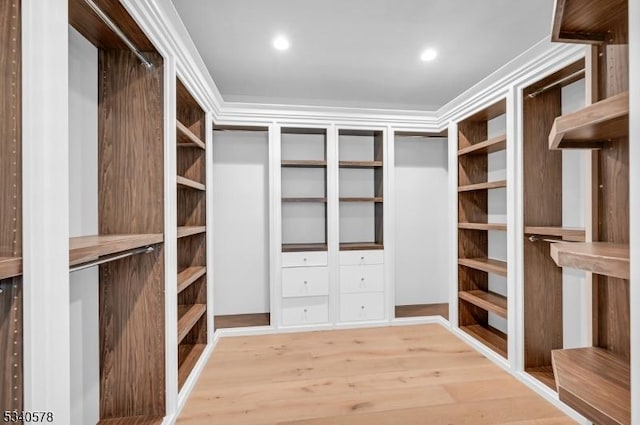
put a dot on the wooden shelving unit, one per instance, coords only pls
(191, 231)
(84, 249)
(603, 258)
(11, 287)
(367, 161)
(476, 302)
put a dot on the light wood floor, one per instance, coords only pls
(409, 375)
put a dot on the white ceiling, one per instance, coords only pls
(359, 53)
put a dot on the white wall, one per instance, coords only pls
(241, 228)
(83, 220)
(421, 209)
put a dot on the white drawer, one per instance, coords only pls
(354, 258)
(305, 281)
(365, 306)
(303, 259)
(305, 311)
(362, 278)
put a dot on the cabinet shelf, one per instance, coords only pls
(188, 316)
(488, 301)
(597, 257)
(489, 336)
(595, 383)
(483, 186)
(304, 199)
(186, 138)
(360, 246)
(573, 234)
(577, 22)
(592, 126)
(189, 275)
(304, 163)
(133, 420)
(83, 249)
(488, 265)
(185, 182)
(303, 247)
(483, 226)
(10, 267)
(192, 355)
(360, 164)
(544, 374)
(184, 231)
(377, 199)
(489, 146)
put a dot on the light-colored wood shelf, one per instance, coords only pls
(83, 249)
(488, 265)
(545, 375)
(304, 163)
(491, 337)
(483, 186)
(133, 420)
(483, 226)
(185, 182)
(595, 383)
(376, 199)
(186, 138)
(360, 164)
(597, 257)
(488, 301)
(184, 231)
(489, 146)
(304, 199)
(188, 316)
(303, 247)
(10, 267)
(360, 246)
(591, 127)
(194, 353)
(572, 234)
(189, 275)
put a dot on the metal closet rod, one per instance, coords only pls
(108, 258)
(557, 83)
(538, 238)
(146, 62)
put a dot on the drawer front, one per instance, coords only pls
(303, 259)
(360, 307)
(305, 281)
(362, 278)
(360, 258)
(305, 311)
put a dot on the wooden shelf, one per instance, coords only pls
(591, 127)
(483, 186)
(360, 246)
(184, 231)
(488, 301)
(186, 138)
(188, 316)
(566, 233)
(489, 146)
(133, 420)
(10, 267)
(193, 355)
(491, 337)
(595, 383)
(485, 264)
(185, 182)
(360, 164)
(189, 275)
(83, 249)
(544, 374)
(303, 247)
(304, 199)
(304, 163)
(577, 22)
(597, 257)
(483, 226)
(377, 199)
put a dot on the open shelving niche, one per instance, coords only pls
(482, 269)
(361, 182)
(128, 194)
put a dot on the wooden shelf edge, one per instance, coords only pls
(83, 249)
(192, 184)
(185, 231)
(488, 336)
(483, 186)
(602, 258)
(488, 146)
(376, 199)
(360, 164)
(572, 234)
(488, 265)
(500, 227)
(488, 301)
(360, 246)
(188, 316)
(303, 163)
(185, 369)
(304, 247)
(189, 275)
(194, 140)
(10, 267)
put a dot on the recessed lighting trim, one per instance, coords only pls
(281, 43)
(428, 55)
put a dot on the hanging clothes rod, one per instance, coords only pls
(557, 83)
(118, 32)
(108, 258)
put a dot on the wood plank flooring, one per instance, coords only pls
(409, 375)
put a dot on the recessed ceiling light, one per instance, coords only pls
(281, 43)
(429, 55)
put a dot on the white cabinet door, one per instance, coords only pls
(305, 281)
(360, 307)
(305, 311)
(304, 259)
(361, 258)
(362, 278)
